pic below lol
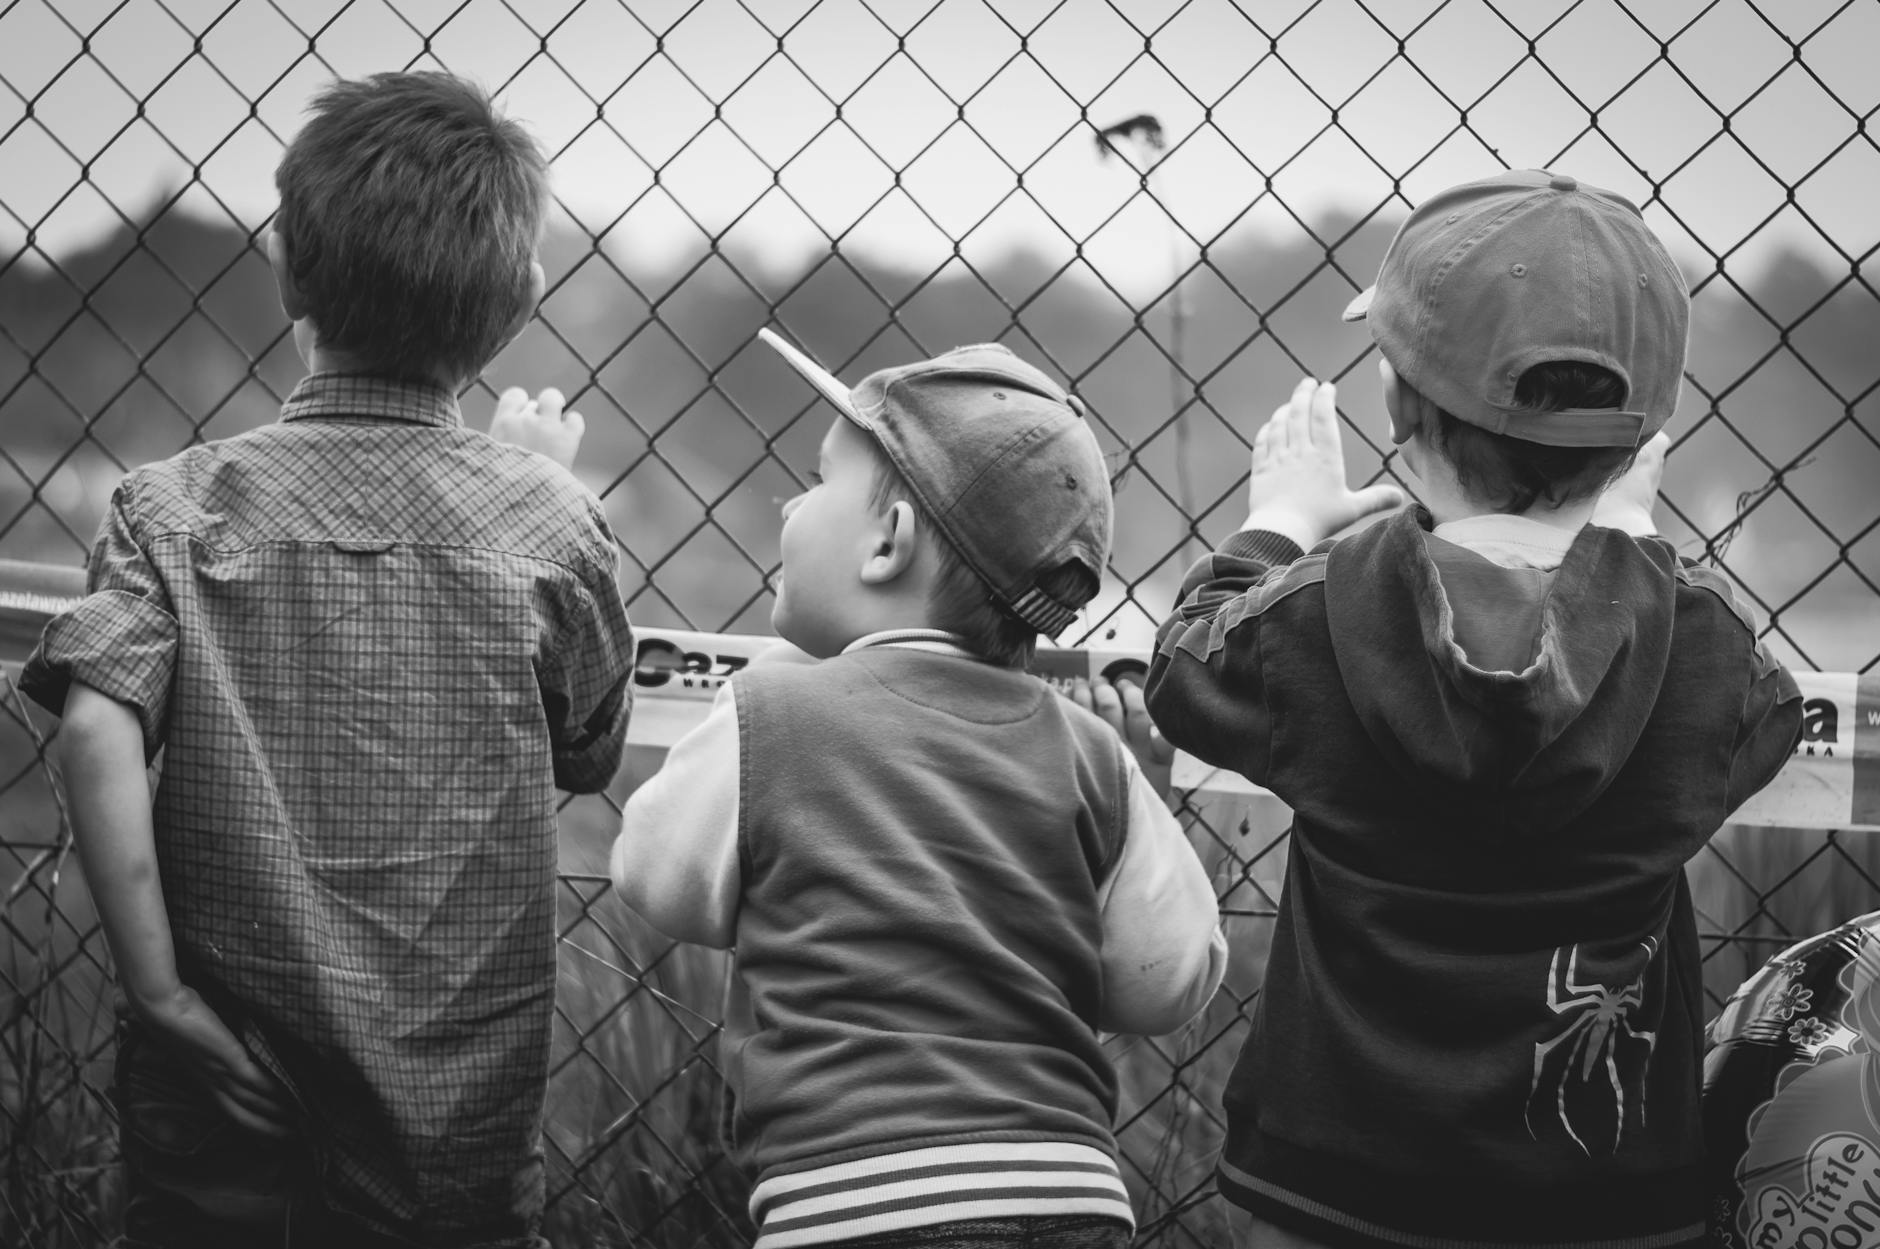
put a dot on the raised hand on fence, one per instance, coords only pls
(100, 750)
(542, 424)
(1627, 503)
(1298, 484)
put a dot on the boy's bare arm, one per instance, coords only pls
(100, 750)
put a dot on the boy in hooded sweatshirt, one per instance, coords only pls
(1505, 719)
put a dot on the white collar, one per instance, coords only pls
(935, 641)
(1511, 541)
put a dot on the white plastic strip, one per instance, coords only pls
(1833, 781)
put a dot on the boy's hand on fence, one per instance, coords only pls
(185, 1025)
(539, 424)
(1298, 484)
(1627, 503)
(1120, 705)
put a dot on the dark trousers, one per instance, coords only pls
(1050, 1232)
(191, 1175)
(193, 1179)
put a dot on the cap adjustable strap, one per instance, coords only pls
(1042, 612)
(1573, 427)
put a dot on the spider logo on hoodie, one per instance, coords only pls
(1590, 1077)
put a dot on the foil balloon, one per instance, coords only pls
(1792, 1099)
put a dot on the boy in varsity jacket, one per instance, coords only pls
(1505, 720)
(942, 879)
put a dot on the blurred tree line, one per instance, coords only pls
(167, 332)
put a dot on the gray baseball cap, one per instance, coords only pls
(1490, 278)
(1001, 459)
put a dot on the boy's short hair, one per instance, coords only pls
(411, 210)
(1487, 280)
(1000, 462)
(959, 600)
(1513, 474)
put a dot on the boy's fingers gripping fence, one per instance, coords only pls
(1833, 781)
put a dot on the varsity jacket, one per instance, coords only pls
(1482, 1014)
(941, 879)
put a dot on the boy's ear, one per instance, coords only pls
(538, 283)
(896, 544)
(293, 303)
(1408, 410)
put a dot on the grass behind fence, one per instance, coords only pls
(631, 1121)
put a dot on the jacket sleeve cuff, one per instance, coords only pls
(1264, 545)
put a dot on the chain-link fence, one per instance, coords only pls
(1166, 202)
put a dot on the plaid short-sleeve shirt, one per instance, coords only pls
(370, 643)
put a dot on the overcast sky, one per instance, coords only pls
(961, 100)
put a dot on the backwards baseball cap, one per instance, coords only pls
(999, 457)
(1490, 278)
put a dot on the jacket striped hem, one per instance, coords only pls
(941, 1184)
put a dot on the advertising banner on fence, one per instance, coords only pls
(1833, 781)
(676, 675)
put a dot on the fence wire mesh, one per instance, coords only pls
(1165, 201)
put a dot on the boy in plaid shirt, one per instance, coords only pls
(370, 643)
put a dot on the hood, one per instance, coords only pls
(1511, 752)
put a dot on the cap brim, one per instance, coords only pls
(825, 382)
(1357, 309)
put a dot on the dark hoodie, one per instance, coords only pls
(1482, 1014)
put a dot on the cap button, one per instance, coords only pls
(1564, 182)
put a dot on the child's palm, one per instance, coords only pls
(1297, 486)
(538, 424)
(1627, 503)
